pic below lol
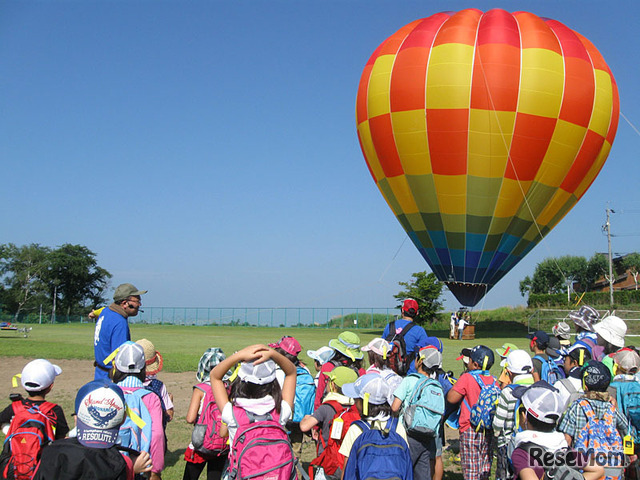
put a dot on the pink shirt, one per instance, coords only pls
(468, 387)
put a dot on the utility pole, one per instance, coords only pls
(609, 277)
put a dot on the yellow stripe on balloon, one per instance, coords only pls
(402, 192)
(560, 197)
(452, 193)
(542, 83)
(379, 82)
(364, 132)
(602, 106)
(449, 76)
(490, 135)
(412, 144)
(510, 197)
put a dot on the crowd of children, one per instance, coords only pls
(563, 409)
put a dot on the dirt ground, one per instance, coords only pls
(76, 373)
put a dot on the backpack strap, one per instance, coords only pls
(587, 409)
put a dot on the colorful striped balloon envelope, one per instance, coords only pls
(482, 131)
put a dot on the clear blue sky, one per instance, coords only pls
(207, 151)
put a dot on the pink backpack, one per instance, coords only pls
(205, 437)
(261, 448)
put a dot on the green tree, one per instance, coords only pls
(552, 274)
(597, 267)
(632, 263)
(74, 276)
(426, 290)
(21, 272)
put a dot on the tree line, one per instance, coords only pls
(552, 275)
(65, 280)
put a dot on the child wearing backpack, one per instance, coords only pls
(375, 446)
(336, 408)
(99, 412)
(378, 350)
(347, 354)
(544, 368)
(142, 430)
(154, 362)
(592, 425)
(406, 337)
(539, 410)
(421, 398)
(255, 412)
(35, 422)
(570, 388)
(478, 391)
(625, 388)
(320, 357)
(518, 368)
(210, 446)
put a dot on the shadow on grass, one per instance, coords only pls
(502, 329)
(171, 457)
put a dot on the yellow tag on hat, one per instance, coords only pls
(384, 352)
(14, 380)
(110, 358)
(365, 406)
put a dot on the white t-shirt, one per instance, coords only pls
(258, 406)
(462, 323)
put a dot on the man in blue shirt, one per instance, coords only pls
(112, 327)
(415, 337)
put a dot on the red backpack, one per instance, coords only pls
(206, 437)
(330, 459)
(30, 431)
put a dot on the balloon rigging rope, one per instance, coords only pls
(630, 124)
(510, 161)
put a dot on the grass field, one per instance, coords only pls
(182, 347)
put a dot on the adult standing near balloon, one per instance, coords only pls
(414, 335)
(112, 327)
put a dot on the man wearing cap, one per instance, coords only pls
(475, 444)
(100, 411)
(112, 327)
(584, 319)
(562, 332)
(570, 388)
(414, 335)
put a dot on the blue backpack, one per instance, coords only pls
(135, 432)
(628, 397)
(551, 371)
(482, 413)
(379, 454)
(305, 394)
(423, 411)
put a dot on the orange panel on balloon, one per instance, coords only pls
(447, 131)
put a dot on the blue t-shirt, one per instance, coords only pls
(112, 330)
(416, 337)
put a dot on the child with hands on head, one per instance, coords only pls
(255, 389)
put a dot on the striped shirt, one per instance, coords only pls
(504, 422)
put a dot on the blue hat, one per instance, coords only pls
(100, 410)
(540, 337)
(434, 342)
(483, 356)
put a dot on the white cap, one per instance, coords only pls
(371, 383)
(378, 346)
(322, 355)
(39, 374)
(543, 402)
(130, 358)
(519, 362)
(260, 374)
(612, 329)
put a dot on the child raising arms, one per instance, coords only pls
(255, 389)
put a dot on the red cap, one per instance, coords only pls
(408, 304)
(289, 345)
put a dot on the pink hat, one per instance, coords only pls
(289, 345)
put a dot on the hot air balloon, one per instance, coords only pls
(482, 131)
